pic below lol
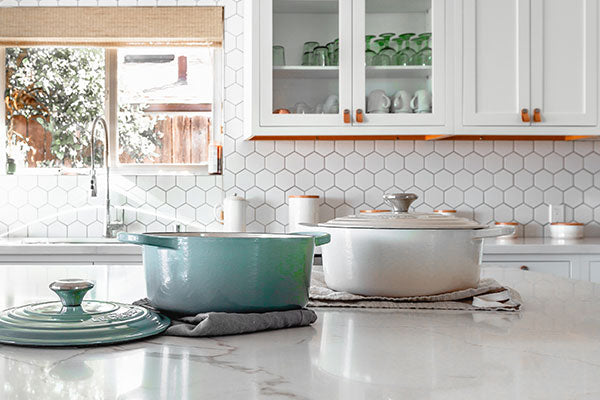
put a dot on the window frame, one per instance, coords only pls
(111, 116)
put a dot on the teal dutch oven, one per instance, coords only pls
(191, 273)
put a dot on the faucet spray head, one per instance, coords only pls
(93, 185)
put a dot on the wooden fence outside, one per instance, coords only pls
(185, 140)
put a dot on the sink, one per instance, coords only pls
(70, 241)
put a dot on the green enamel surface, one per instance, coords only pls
(231, 274)
(73, 322)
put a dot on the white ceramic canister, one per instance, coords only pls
(566, 230)
(232, 213)
(303, 209)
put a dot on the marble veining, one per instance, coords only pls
(550, 350)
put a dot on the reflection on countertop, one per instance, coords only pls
(551, 349)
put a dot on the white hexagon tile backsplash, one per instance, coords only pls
(488, 181)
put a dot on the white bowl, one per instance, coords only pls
(566, 230)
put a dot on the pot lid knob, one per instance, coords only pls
(71, 291)
(400, 202)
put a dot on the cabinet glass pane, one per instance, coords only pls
(305, 57)
(398, 56)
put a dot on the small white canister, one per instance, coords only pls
(303, 209)
(232, 213)
(566, 230)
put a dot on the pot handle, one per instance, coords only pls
(321, 238)
(493, 232)
(148, 240)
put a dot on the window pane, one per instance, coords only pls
(165, 104)
(53, 94)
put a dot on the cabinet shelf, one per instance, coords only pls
(398, 71)
(305, 71)
(384, 71)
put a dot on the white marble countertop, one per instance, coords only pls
(100, 246)
(550, 350)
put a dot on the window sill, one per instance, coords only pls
(199, 169)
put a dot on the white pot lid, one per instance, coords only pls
(400, 218)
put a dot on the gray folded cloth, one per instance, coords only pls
(221, 324)
(488, 296)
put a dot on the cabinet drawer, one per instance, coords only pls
(594, 271)
(558, 268)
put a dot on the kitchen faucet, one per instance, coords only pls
(109, 229)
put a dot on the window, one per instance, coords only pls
(158, 102)
(170, 86)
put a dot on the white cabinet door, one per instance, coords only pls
(377, 17)
(495, 59)
(302, 90)
(590, 268)
(564, 65)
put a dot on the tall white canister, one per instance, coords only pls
(232, 213)
(303, 209)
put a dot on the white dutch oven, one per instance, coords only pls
(400, 254)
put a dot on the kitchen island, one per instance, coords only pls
(549, 350)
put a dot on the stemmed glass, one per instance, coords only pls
(416, 59)
(387, 37)
(384, 56)
(425, 52)
(369, 54)
(404, 53)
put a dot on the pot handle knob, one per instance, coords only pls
(400, 202)
(71, 291)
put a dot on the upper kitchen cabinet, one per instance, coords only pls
(527, 66)
(349, 68)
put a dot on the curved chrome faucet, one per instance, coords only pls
(108, 228)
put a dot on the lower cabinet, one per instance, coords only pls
(573, 266)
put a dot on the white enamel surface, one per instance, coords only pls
(397, 262)
(403, 220)
(550, 351)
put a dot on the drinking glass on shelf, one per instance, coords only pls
(387, 37)
(309, 46)
(418, 45)
(404, 53)
(369, 53)
(426, 53)
(335, 60)
(278, 56)
(321, 56)
(307, 58)
(331, 50)
(384, 56)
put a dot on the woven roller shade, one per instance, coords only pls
(111, 26)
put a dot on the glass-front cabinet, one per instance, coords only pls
(345, 67)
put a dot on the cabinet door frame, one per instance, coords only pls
(468, 91)
(265, 67)
(590, 116)
(435, 118)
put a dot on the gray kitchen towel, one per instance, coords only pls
(221, 324)
(488, 296)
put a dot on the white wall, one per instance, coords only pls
(485, 180)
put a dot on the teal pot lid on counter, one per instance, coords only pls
(74, 322)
